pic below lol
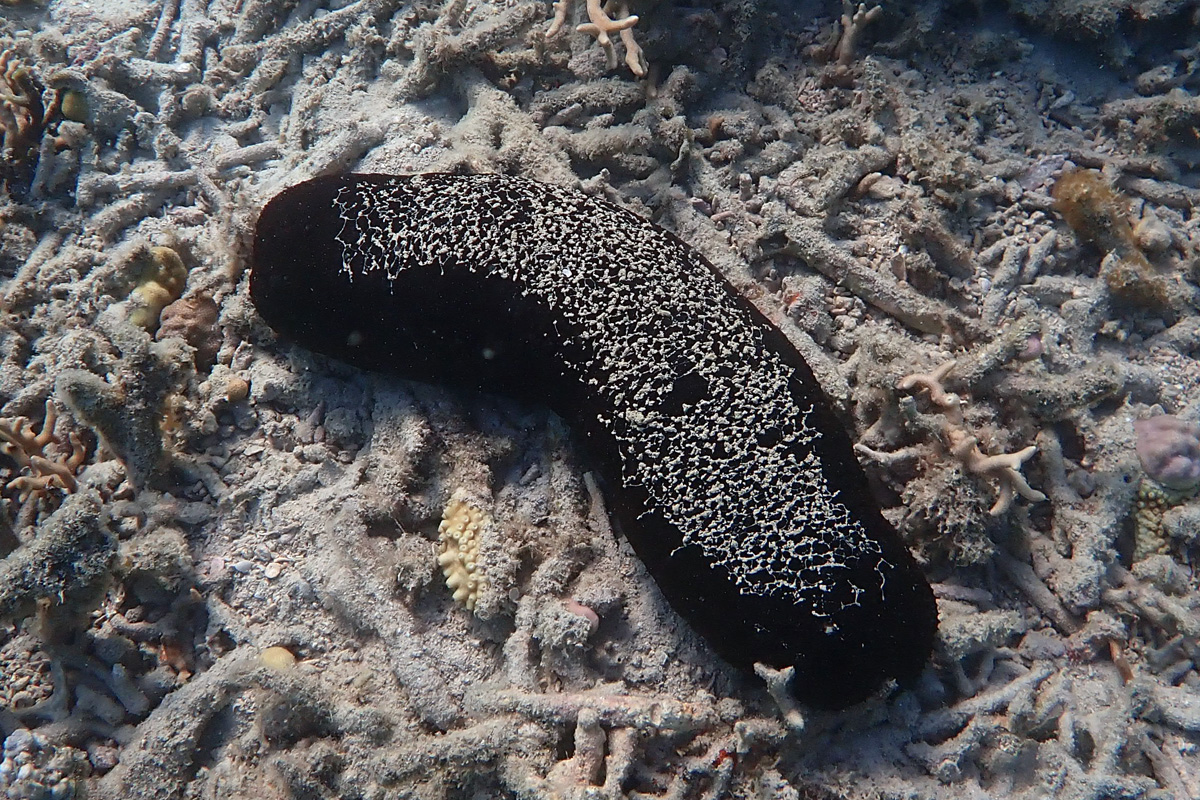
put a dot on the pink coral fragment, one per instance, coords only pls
(1169, 449)
(576, 607)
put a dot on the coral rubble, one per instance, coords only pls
(241, 595)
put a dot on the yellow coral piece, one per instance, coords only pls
(1153, 501)
(1148, 512)
(459, 533)
(74, 105)
(161, 283)
(278, 658)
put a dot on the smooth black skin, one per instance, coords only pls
(435, 328)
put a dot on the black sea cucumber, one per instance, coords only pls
(725, 466)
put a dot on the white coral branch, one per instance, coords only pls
(1005, 468)
(600, 25)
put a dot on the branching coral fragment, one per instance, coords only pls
(932, 381)
(779, 687)
(23, 118)
(601, 26)
(54, 471)
(1004, 468)
(853, 22)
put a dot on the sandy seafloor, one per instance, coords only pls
(220, 574)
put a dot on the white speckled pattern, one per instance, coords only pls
(732, 467)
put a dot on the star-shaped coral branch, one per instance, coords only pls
(600, 26)
(933, 382)
(1004, 468)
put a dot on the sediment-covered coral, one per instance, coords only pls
(125, 409)
(66, 562)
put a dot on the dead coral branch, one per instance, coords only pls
(600, 26)
(22, 123)
(853, 22)
(49, 470)
(1004, 468)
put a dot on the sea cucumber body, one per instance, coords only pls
(722, 460)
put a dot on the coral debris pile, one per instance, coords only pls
(242, 593)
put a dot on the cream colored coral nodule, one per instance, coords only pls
(459, 533)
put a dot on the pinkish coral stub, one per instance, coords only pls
(1169, 449)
